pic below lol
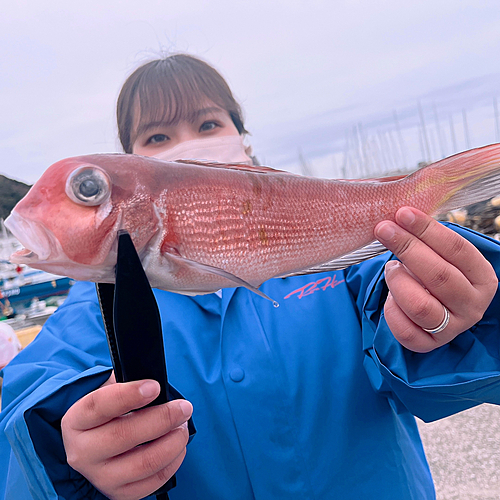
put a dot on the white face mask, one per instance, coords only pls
(226, 149)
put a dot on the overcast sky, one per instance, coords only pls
(331, 80)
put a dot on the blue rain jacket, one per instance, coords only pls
(311, 400)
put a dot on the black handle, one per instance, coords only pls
(138, 331)
(133, 327)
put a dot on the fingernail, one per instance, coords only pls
(385, 231)
(186, 408)
(392, 264)
(406, 216)
(149, 389)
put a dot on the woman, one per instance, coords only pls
(314, 399)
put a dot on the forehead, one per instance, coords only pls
(169, 105)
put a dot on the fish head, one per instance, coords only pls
(68, 221)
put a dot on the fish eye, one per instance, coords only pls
(88, 185)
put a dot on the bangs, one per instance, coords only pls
(171, 90)
(164, 99)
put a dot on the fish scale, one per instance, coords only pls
(199, 227)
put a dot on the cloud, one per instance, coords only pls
(306, 73)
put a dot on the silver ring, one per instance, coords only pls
(442, 326)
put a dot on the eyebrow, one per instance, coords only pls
(143, 128)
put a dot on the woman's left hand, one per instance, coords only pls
(438, 268)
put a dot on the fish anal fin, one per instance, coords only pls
(367, 252)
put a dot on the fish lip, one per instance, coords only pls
(34, 236)
(24, 256)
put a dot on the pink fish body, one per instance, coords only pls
(201, 227)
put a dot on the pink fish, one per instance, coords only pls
(201, 227)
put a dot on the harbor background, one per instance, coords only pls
(331, 89)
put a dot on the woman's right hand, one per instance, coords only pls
(102, 438)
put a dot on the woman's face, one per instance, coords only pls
(209, 121)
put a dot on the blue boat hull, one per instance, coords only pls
(23, 295)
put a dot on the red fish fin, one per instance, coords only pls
(479, 190)
(205, 268)
(261, 169)
(461, 179)
(379, 179)
(367, 252)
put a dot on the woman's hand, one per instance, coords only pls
(438, 268)
(102, 438)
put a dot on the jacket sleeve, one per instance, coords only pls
(68, 359)
(452, 378)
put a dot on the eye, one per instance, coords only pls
(88, 185)
(208, 125)
(157, 139)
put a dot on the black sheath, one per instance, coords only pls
(130, 312)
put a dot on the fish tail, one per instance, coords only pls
(461, 179)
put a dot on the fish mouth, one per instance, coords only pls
(38, 241)
(24, 256)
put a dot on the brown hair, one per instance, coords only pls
(170, 90)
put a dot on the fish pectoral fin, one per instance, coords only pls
(206, 268)
(259, 169)
(367, 252)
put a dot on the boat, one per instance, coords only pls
(27, 296)
(20, 289)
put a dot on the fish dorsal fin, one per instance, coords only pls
(260, 169)
(205, 268)
(367, 252)
(391, 178)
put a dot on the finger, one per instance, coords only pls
(441, 278)
(148, 486)
(109, 402)
(448, 244)
(128, 431)
(406, 332)
(424, 310)
(147, 460)
(111, 380)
